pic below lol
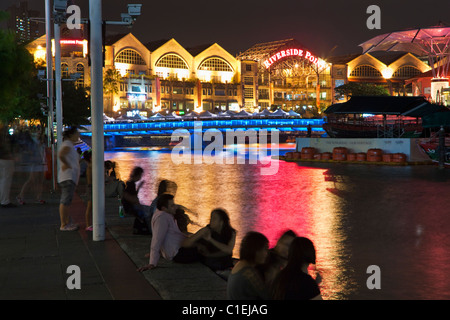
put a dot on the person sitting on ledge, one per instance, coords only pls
(215, 242)
(167, 237)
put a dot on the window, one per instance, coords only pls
(248, 93)
(248, 67)
(64, 70)
(220, 92)
(129, 56)
(215, 64)
(406, 72)
(263, 94)
(365, 71)
(172, 61)
(216, 79)
(248, 80)
(80, 80)
(178, 90)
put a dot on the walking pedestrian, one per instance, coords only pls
(294, 282)
(6, 168)
(68, 176)
(87, 155)
(33, 156)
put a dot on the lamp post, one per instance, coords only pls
(49, 63)
(98, 176)
(98, 148)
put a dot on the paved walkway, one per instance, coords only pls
(35, 256)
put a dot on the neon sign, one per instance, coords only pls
(291, 53)
(79, 42)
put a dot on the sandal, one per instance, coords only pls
(40, 201)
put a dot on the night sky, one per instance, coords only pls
(236, 25)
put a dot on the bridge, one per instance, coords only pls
(158, 132)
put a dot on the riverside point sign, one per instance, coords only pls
(292, 53)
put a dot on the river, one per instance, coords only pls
(395, 218)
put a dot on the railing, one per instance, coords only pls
(208, 124)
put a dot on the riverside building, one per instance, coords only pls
(163, 76)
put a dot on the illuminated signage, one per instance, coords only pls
(291, 53)
(137, 96)
(79, 42)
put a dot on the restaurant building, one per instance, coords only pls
(163, 76)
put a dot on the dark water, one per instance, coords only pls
(396, 218)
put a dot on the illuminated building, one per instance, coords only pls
(20, 22)
(285, 74)
(389, 69)
(74, 54)
(163, 75)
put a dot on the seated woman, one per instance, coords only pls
(113, 186)
(294, 282)
(245, 281)
(215, 242)
(132, 205)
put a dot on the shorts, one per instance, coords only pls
(67, 192)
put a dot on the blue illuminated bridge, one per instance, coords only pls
(158, 133)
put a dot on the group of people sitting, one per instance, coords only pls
(260, 273)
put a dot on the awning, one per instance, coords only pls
(386, 105)
(436, 120)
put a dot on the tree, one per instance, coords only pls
(18, 82)
(111, 80)
(76, 104)
(360, 89)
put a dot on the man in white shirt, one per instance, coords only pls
(167, 237)
(68, 176)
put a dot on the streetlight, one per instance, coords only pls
(96, 55)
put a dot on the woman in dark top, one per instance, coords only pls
(245, 281)
(294, 282)
(215, 242)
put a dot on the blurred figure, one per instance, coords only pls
(6, 167)
(245, 282)
(131, 203)
(68, 176)
(33, 155)
(113, 186)
(87, 155)
(294, 282)
(277, 257)
(164, 187)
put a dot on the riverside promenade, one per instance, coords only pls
(35, 256)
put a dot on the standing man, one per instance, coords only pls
(68, 176)
(6, 168)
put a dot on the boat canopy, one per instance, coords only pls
(436, 120)
(386, 105)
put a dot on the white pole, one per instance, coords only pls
(49, 57)
(98, 177)
(58, 90)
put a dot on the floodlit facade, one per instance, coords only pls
(391, 70)
(285, 74)
(165, 76)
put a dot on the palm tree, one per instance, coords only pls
(111, 80)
